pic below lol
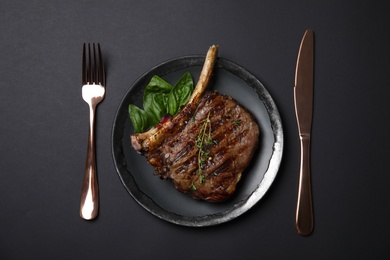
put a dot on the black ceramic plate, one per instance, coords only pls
(159, 197)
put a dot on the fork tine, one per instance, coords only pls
(90, 78)
(101, 66)
(95, 78)
(92, 70)
(84, 68)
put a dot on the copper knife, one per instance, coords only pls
(303, 100)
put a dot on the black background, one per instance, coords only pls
(44, 126)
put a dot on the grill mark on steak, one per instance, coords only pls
(235, 137)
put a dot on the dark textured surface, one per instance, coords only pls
(44, 126)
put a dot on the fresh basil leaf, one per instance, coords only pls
(156, 98)
(160, 98)
(139, 119)
(154, 105)
(158, 84)
(183, 89)
(172, 104)
(180, 93)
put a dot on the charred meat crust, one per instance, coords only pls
(213, 173)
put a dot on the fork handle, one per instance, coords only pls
(304, 210)
(89, 203)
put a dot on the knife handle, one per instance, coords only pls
(304, 210)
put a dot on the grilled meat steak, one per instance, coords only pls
(205, 148)
(205, 157)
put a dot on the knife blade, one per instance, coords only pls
(303, 100)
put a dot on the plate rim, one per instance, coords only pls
(238, 208)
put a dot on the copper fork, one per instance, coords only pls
(93, 91)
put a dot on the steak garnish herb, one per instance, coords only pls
(202, 141)
(160, 98)
(192, 186)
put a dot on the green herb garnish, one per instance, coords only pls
(160, 98)
(203, 140)
(236, 122)
(192, 186)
